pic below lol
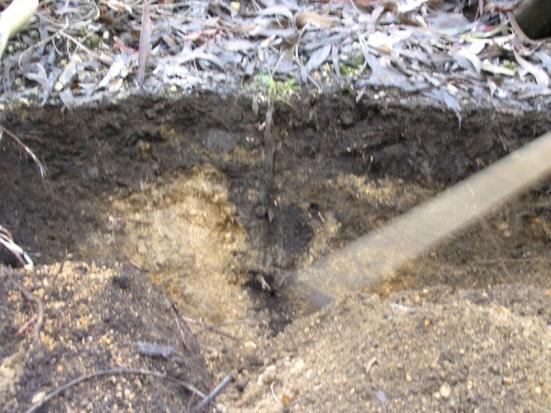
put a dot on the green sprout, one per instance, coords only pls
(351, 65)
(275, 90)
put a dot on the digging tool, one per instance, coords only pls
(374, 258)
(14, 18)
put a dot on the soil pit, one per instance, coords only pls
(196, 194)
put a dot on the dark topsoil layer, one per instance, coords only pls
(163, 184)
(93, 154)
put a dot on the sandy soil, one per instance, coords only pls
(425, 351)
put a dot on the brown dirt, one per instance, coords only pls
(185, 191)
(94, 317)
(423, 351)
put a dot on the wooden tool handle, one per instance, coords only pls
(375, 257)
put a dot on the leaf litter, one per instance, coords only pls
(81, 51)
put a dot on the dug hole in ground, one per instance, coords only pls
(164, 222)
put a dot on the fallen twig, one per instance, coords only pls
(212, 395)
(39, 317)
(106, 60)
(112, 372)
(19, 253)
(177, 318)
(25, 326)
(20, 143)
(184, 339)
(276, 399)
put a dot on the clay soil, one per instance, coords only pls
(161, 220)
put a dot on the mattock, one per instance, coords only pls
(375, 257)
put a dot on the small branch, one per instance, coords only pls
(212, 395)
(36, 45)
(276, 399)
(40, 316)
(112, 372)
(185, 343)
(19, 253)
(184, 340)
(25, 326)
(25, 148)
(106, 60)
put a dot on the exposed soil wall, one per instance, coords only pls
(195, 194)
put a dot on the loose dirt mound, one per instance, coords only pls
(93, 319)
(428, 351)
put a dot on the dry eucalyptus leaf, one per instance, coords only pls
(539, 74)
(315, 19)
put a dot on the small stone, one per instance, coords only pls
(128, 394)
(93, 40)
(347, 118)
(142, 248)
(507, 380)
(250, 345)
(219, 140)
(381, 396)
(241, 384)
(297, 367)
(445, 391)
(286, 399)
(93, 173)
(254, 360)
(261, 211)
(38, 397)
(105, 340)
(268, 376)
